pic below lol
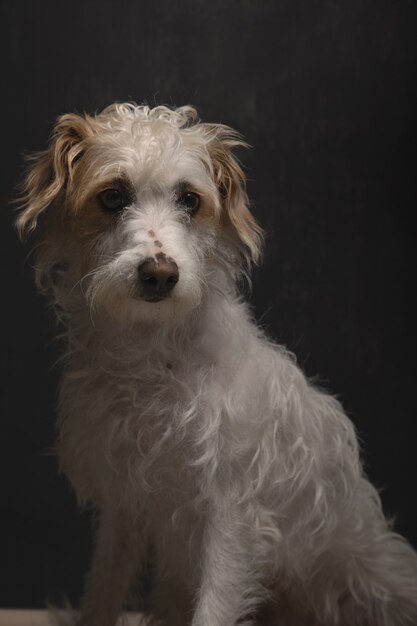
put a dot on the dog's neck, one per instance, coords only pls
(103, 338)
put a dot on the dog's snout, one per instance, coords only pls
(157, 277)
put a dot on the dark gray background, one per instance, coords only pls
(324, 91)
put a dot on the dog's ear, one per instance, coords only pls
(50, 171)
(231, 182)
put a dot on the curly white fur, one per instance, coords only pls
(179, 421)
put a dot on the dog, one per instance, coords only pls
(180, 424)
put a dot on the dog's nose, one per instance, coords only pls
(157, 278)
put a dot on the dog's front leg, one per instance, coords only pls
(228, 588)
(118, 552)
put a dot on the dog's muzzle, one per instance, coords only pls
(157, 277)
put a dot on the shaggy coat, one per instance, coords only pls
(180, 423)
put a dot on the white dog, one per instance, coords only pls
(180, 423)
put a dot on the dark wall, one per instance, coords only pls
(323, 91)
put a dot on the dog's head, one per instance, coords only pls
(135, 208)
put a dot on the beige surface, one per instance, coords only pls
(42, 618)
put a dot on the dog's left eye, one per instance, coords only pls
(112, 199)
(189, 200)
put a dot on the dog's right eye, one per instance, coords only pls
(112, 200)
(190, 201)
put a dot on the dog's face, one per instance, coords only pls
(135, 208)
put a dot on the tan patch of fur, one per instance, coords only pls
(72, 239)
(56, 244)
(51, 172)
(231, 182)
(53, 181)
(208, 211)
(92, 221)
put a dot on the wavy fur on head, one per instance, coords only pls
(179, 422)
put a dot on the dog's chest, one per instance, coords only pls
(133, 430)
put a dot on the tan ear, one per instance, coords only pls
(50, 171)
(231, 182)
